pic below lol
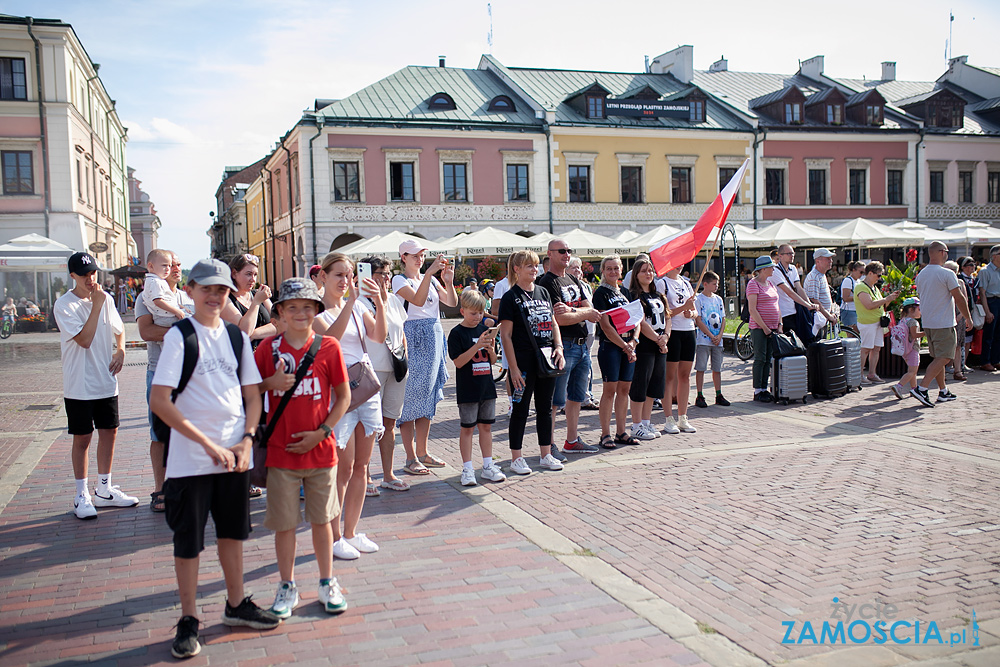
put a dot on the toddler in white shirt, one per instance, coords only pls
(160, 300)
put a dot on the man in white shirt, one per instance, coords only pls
(785, 278)
(817, 287)
(92, 337)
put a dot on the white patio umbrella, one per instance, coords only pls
(801, 234)
(971, 232)
(627, 235)
(590, 245)
(642, 242)
(492, 242)
(388, 245)
(871, 234)
(34, 253)
(749, 238)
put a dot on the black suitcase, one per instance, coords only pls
(827, 368)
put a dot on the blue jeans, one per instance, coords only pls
(573, 384)
(991, 334)
(149, 413)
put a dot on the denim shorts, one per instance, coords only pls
(149, 413)
(614, 363)
(368, 413)
(848, 318)
(574, 383)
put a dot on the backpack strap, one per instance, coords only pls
(190, 354)
(236, 340)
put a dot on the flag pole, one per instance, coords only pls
(718, 235)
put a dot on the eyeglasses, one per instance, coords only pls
(251, 258)
(563, 251)
(380, 273)
(787, 253)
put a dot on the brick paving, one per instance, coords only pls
(761, 517)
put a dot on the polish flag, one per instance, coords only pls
(679, 249)
(625, 318)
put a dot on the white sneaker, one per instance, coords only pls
(343, 550)
(363, 544)
(84, 508)
(671, 426)
(550, 462)
(493, 473)
(115, 498)
(285, 600)
(469, 477)
(332, 598)
(520, 466)
(642, 433)
(684, 425)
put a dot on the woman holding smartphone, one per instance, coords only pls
(422, 294)
(526, 313)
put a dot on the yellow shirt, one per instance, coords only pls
(868, 315)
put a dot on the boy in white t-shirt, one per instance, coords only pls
(710, 323)
(92, 337)
(160, 299)
(209, 453)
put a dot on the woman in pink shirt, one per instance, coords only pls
(765, 318)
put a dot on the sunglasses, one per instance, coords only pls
(253, 259)
(563, 251)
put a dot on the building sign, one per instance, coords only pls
(97, 246)
(647, 109)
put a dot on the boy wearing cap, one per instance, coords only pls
(92, 339)
(301, 450)
(209, 454)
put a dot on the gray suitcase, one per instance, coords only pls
(852, 362)
(790, 379)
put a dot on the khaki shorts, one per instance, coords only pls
(392, 393)
(322, 505)
(942, 342)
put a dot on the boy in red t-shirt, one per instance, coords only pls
(301, 451)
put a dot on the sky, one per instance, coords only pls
(205, 85)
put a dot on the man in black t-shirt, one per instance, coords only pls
(572, 311)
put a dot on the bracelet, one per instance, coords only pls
(248, 434)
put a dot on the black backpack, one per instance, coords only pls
(160, 428)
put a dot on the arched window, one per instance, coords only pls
(441, 102)
(502, 103)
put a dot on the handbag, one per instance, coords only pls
(258, 474)
(400, 364)
(363, 381)
(803, 316)
(978, 316)
(787, 345)
(543, 355)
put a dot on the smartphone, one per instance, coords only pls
(364, 272)
(450, 259)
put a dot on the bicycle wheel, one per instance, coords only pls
(7, 329)
(743, 343)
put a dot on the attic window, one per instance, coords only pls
(595, 106)
(502, 103)
(873, 114)
(441, 102)
(944, 114)
(834, 114)
(696, 113)
(793, 113)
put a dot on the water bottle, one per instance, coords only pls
(518, 391)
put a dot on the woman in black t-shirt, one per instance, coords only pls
(649, 381)
(615, 355)
(526, 313)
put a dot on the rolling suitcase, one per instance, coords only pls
(852, 363)
(827, 371)
(790, 379)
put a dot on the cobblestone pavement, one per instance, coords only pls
(689, 549)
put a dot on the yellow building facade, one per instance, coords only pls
(255, 219)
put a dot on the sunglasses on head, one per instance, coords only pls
(251, 258)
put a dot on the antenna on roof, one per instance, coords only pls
(489, 35)
(948, 44)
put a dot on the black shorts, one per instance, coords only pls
(86, 415)
(650, 378)
(681, 346)
(189, 501)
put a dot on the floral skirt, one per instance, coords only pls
(426, 346)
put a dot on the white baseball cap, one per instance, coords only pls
(410, 247)
(822, 252)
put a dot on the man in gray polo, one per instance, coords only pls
(816, 285)
(989, 297)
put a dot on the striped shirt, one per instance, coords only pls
(767, 303)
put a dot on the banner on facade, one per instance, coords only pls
(647, 108)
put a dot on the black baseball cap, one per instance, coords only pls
(82, 263)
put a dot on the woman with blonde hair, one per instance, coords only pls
(615, 356)
(350, 321)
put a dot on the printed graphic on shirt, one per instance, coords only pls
(539, 317)
(656, 315)
(309, 386)
(481, 362)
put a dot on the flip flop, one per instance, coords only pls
(432, 461)
(255, 491)
(607, 442)
(371, 491)
(395, 485)
(415, 467)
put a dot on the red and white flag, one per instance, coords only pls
(625, 318)
(679, 249)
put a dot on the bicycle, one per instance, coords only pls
(7, 328)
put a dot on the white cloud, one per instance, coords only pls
(160, 131)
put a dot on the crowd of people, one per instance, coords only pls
(300, 383)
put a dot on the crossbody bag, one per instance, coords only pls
(546, 364)
(360, 374)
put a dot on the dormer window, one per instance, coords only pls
(502, 103)
(834, 114)
(441, 102)
(696, 110)
(793, 113)
(944, 114)
(595, 106)
(873, 114)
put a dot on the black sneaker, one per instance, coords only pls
(186, 640)
(657, 403)
(701, 402)
(920, 394)
(721, 400)
(557, 454)
(945, 396)
(763, 397)
(250, 615)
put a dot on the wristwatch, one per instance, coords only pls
(326, 430)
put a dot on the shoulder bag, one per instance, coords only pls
(803, 316)
(364, 383)
(258, 474)
(546, 365)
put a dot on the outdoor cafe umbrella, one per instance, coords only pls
(642, 242)
(971, 233)
(627, 235)
(801, 234)
(867, 233)
(34, 253)
(387, 245)
(586, 245)
(492, 242)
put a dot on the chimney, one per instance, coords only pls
(440, 61)
(888, 70)
(812, 68)
(679, 62)
(720, 65)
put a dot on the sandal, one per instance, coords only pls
(395, 485)
(415, 467)
(432, 461)
(256, 491)
(626, 439)
(607, 442)
(158, 502)
(371, 491)
(958, 377)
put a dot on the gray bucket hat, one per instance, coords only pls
(297, 288)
